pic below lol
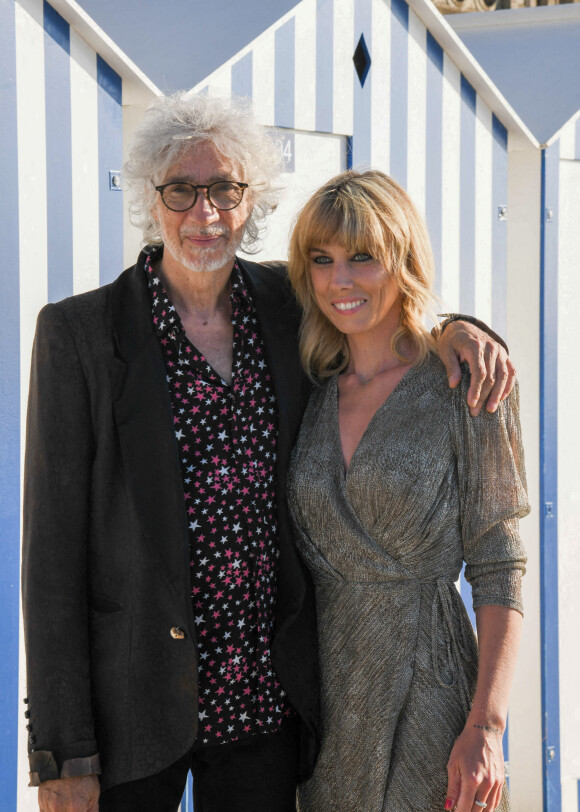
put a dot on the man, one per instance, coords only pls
(170, 624)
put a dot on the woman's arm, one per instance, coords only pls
(476, 766)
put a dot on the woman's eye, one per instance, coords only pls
(321, 260)
(361, 257)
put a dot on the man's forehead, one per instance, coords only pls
(204, 162)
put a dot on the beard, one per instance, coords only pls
(204, 259)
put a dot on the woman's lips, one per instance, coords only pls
(349, 306)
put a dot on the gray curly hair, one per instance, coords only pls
(176, 123)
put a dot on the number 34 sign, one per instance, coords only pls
(285, 143)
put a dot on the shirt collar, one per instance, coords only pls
(166, 321)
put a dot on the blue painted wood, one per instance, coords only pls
(549, 478)
(10, 707)
(187, 800)
(399, 89)
(58, 155)
(362, 95)
(466, 596)
(467, 199)
(284, 75)
(324, 65)
(499, 198)
(434, 152)
(110, 117)
(242, 76)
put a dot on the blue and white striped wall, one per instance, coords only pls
(417, 117)
(427, 115)
(61, 233)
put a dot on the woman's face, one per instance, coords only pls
(354, 291)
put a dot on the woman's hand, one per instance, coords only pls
(475, 769)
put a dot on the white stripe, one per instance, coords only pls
(305, 66)
(380, 76)
(32, 215)
(568, 142)
(450, 185)
(220, 82)
(31, 176)
(417, 111)
(483, 211)
(263, 81)
(85, 162)
(342, 93)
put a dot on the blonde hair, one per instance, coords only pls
(363, 212)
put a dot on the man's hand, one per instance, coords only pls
(70, 795)
(492, 372)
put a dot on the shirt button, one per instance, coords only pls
(177, 633)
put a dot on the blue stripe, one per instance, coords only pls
(499, 191)
(349, 151)
(242, 76)
(468, 94)
(284, 75)
(434, 152)
(10, 413)
(399, 89)
(58, 155)
(506, 746)
(324, 65)
(362, 96)
(110, 115)
(467, 200)
(499, 132)
(187, 800)
(434, 52)
(578, 796)
(549, 478)
(466, 596)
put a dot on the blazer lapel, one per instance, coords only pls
(143, 414)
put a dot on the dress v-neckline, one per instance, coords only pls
(380, 408)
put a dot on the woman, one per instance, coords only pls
(392, 486)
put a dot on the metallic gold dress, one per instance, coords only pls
(427, 488)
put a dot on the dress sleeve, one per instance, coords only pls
(493, 497)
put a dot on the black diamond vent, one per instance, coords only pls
(362, 60)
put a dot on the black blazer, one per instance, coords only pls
(105, 555)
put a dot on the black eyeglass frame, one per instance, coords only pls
(241, 186)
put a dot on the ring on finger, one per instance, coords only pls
(480, 804)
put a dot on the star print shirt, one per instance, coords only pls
(226, 436)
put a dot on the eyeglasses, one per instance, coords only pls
(223, 194)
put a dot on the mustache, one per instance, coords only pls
(206, 231)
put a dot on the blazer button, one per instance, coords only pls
(27, 714)
(177, 633)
